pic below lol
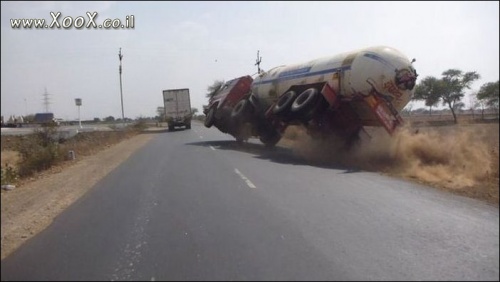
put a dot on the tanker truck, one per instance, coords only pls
(332, 95)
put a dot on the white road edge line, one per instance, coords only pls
(212, 147)
(249, 183)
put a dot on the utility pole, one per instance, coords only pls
(120, 56)
(257, 62)
(78, 102)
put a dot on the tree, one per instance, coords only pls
(29, 118)
(429, 90)
(454, 82)
(473, 104)
(194, 111)
(160, 112)
(459, 106)
(212, 89)
(110, 118)
(489, 94)
(97, 119)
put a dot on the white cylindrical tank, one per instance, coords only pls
(383, 69)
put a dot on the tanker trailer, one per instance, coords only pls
(332, 95)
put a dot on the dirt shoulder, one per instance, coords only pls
(30, 208)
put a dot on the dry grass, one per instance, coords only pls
(9, 157)
(462, 159)
(83, 144)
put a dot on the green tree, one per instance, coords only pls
(429, 90)
(110, 118)
(454, 83)
(489, 93)
(29, 118)
(160, 112)
(212, 89)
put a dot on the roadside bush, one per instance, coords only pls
(139, 125)
(9, 175)
(47, 147)
(39, 151)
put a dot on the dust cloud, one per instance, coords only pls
(452, 157)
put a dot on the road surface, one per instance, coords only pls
(193, 205)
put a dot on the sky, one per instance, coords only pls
(193, 44)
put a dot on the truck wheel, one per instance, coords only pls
(306, 101)
(284, 103)
(210, 118)
(171, 127)
(188, 126)
(241, 110)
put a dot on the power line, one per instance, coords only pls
(46, 100)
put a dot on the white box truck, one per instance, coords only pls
(177, 108)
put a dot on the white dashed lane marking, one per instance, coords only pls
(249, 183)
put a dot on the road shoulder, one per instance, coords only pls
(28, 210)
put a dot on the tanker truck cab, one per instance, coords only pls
(223, 103)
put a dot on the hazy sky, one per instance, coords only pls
(192, 44)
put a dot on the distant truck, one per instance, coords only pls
(177, 104)
(13, 121)
(45, 118)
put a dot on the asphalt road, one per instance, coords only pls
(193, 205)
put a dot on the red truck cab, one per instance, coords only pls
(221, 104)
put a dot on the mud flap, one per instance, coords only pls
(385, 113)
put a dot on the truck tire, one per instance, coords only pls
(306, 101)
(241, 110)
(210, 118)
(188, 126)
(312, 104)
(284, 103)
